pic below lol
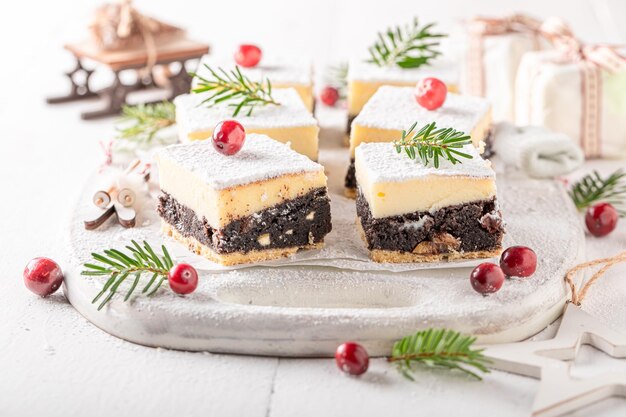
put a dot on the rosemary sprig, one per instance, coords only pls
(430, 143)
(236, 87)
(440, 348)
(118, 266)
(406, 47)
(141, 122)
(592, 188)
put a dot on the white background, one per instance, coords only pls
(54, 363)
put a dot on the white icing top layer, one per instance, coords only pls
(260, 159)
(279, 70)
(384, 164)
(395, 108)
(193, 116)
(359, 70)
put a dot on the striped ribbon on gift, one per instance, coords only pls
(478, 28)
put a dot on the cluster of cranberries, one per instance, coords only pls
(43, 276)
(516, 261)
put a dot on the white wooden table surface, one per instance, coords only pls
(55, 363)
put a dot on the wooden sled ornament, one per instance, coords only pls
(124, 40)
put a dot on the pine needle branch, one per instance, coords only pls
(592, 188)
(141, 123)
(407, 47)
(117, 266)
(235, 88)
(430, 143)
(438, 348)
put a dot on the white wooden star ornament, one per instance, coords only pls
(560, 393)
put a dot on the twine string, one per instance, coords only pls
(128, 24)
(578, 294)
(129, 16)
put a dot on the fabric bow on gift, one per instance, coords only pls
(602, 56)
(499, 26)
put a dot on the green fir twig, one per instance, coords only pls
(438, 348)
(118, 267)
(407, 47)
(235, 88)
(430, 143)
(141, 123)
(592, 188)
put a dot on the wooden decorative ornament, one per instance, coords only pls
(118, 201)
(559, 392)
(124, 40)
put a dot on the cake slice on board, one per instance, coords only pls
(393, 109)
(411, 211)
(287, 122)
(264, 202)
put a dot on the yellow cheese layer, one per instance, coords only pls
(429, 193)
(304, 91)
(222, 206)
(362, 134)
(359, 92)
(304, 140)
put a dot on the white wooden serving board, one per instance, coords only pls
(309, 311)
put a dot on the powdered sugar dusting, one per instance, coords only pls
(396, 108)
(194, 116)
(309, 310)
(360, 70)
(384, 164)
(261, 158)
(280, 70)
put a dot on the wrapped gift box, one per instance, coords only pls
(494, 49)
(581, 96)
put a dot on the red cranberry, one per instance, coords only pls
(329, 96)
(430, 93)
(248, 55)
(352, 358)
(43, 276)
(183, 278)
(228, 137)
(601, 219)
(487, 278)
(518, 261)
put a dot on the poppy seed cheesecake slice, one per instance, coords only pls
(393, 109)
(289, 122)
(265, 202)
(411, 212)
